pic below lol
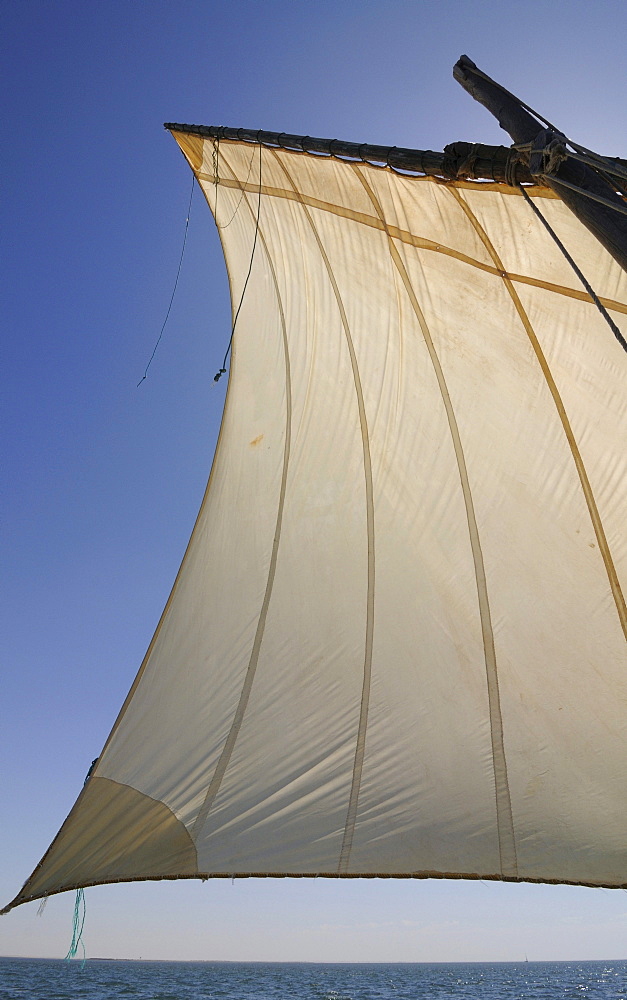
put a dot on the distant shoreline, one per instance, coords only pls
(261, 961)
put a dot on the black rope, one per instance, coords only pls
(593, 295)
(602, 164)
(222, 371)
(189, 208)
(216, 169)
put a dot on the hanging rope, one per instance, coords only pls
(216, 168)
(77, 928)
(588, 287)
(241, 197)
(189, 208)
(222, 371)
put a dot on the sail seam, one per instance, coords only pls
(403, 236)
(360, 747)
(505, 827)
(227, 750)
(586, 487)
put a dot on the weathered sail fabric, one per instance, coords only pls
(397, 642)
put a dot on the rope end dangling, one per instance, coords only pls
(218, 376)
(77, 929)
(178, 274)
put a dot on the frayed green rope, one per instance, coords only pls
(77, 928)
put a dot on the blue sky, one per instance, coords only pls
(103, 479)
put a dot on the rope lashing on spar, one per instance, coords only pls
(546, 154)
(588, 287)
(550, 148)
(608, 164)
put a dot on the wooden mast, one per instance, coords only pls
(548, 161)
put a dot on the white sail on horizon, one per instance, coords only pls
(396, 644)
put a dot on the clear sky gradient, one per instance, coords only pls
(102, 480)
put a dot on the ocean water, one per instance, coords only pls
(43, 979)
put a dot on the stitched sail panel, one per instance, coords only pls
(396, 644)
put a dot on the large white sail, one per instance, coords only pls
(397, 642)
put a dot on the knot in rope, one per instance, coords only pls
(547, 153)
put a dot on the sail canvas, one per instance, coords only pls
(396, 643)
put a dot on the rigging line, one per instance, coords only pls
(593, 511)
(504, 90)
(216, 168)
(237, 207)
(189, 208)
(545, 121)
(222, 371)
(588, 194)
(617, 187)
(607, 166)
(601, 160)
(593, 295)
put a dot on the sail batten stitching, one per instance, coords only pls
(403, 236)
(582, 473)
(360, 746)
(505, 828)
(227, 750)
